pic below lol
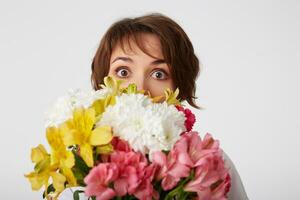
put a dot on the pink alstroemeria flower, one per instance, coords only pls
(135, 175)
(99, 178)
(128, 164)
(171, 168)
(145, 190)
(211, 179)
(192, 150)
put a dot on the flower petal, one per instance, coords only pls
(179, 170)
(54, 137)
(160, 158)
(37, 180)
(169, 182)
(72, 136)
(58, 181)
(106, 194)
(105, 149)
(86, 153)
(121, 186)
(67, 172)
(101, 135)
(38, 153)
(68, 161)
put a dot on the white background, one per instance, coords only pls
(248, 85)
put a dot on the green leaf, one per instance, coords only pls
(79, 175)
(80, 164)
(76, 194)
(49, 189)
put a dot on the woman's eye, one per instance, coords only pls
(122, 72)
(159, 75)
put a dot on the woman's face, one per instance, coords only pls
(135, 66)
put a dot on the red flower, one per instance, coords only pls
(120, 145)
(190, 118)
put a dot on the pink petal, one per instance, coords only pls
(169, 182)
(185, 159)
(106, 194)
(93, 189)
(120, 187)
(179, 170)
(182, 144)
(96, 174)
(112, 173)
(159, 158)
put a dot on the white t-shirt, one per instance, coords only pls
(236, 192)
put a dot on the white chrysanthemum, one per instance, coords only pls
(147, 126)
(62, 109)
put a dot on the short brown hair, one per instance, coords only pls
(177, 50)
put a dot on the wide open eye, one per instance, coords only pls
(159, 74)
(122, 72)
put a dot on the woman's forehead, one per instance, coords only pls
(145, 43)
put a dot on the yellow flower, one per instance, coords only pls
(171, 97)
(100, 105)
(105, 149)
(60, 155)
(43, 171)
(112, 84)
(80, 131)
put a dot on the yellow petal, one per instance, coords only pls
(68, 160)
(37, 180)
(55, 157)
(67, 172)
(114, 84)
(90, 117)
(171, 97)
(158, 99)
(86, 153)
(38, 153)
(131, 89)
(42, 165)
(143, 92)
(84, 118)
(105, 149)
(54, 137)
(101, 135)
(98, 105)
(111, 100)
(58, 181)
(72, 137)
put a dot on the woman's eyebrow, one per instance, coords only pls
(127, 59)
(159, 61)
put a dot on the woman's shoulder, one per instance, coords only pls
(237, 190)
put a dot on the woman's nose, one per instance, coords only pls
(141, 83)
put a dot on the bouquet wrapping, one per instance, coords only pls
(121, 143)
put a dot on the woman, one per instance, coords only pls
(155, 53)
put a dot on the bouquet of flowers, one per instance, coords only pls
(120, 143)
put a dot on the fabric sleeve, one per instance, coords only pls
(237, 190)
